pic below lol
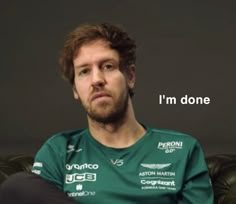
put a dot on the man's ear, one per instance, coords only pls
(130, 74)
(75, 93)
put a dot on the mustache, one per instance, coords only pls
(99, 92)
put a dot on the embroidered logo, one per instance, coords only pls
(71, 148)
(72, 178)
(170, 147)
(155, 166)
(117, 162)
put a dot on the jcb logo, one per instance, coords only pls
(72, 178)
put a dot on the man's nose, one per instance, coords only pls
(98, 78)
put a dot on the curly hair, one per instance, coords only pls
(117, 38)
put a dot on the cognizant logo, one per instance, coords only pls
(158, 182)
(82, 166)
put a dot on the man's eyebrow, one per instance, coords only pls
(107, 60)
(79, 66)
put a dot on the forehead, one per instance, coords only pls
(95, 49)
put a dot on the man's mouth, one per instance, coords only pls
(99, 95)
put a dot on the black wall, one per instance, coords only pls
(184, 47)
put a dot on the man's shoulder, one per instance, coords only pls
(171, 139)
(64, 137)
(172, 134)
(61, 143)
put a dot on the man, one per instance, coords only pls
(116, 159)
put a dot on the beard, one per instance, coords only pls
(107, 112)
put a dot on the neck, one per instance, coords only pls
(120, 134)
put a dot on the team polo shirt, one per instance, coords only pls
(162, 167)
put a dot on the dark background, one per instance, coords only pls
(184, 47)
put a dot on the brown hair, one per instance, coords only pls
(117, 38)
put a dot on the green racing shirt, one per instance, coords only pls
(163, 167)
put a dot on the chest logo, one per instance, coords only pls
(71, 148)
(117, 162)
(155, 166)
(170, 147)
(72, 178)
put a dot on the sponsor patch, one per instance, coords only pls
(36, 171)
(81, 166)
(155, 166)
(170, 147)
(71, 148)
(72, 178)
(81, 194)
(38, 164)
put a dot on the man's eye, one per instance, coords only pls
(83, 72)
(108, 66)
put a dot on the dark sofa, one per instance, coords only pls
(222, 169)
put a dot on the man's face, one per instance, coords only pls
(99, 83)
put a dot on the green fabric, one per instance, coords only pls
(163, 167)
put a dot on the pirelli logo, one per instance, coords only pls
(72, 178)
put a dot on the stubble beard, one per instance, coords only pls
(108, 113)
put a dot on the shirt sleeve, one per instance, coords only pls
(197, 187)
(48, 164)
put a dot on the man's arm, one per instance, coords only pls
(27, 188)
(197, 187)
(48, 164)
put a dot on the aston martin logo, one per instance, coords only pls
(155, 166)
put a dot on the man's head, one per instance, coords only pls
(99, 61)
(117, 39)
